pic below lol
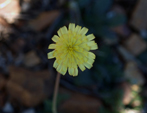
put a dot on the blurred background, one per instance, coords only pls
(117, 81)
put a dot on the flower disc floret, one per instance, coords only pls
(72, 49)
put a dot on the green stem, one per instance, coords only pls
(54, 109)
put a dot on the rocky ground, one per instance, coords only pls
(117, 81)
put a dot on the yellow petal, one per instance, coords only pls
(90, 61)
(85, 46)
(55, 64)
(94, 47)
(71, 70)
(59, 68)
(71, 26)
(84, 30)
(64, 30)
(65, 62)
(75, 72)
(52, 46)
(63, 70)
(91, 55)
(59, 32)
(87, 65)
(91, 43)
(82, 67)
(90, 37)
(78, 29)
(55, 38)
(50, 55)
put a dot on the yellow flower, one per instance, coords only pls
(72, 49)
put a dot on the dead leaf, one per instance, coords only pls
(44, 20)
(79, 103)
(29, 88)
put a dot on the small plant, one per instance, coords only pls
(72, 48)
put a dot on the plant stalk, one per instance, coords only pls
(54, 107)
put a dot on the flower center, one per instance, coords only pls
(70, 48)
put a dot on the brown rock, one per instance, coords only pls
(80, 103)
(29, 88)
(44, 20)
(31, 59)
(139, 16)
(9, 9)
(133, 74)
(135, 44)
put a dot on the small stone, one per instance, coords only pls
(31, 59)
(135, 44)
(8, 108)
(133, 74)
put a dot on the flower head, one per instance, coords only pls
(72, 48)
